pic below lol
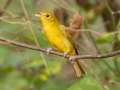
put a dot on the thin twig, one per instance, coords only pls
(32, 31)
(97, 56)
(7, 3)
(36, 48)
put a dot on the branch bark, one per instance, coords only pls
(97, 56)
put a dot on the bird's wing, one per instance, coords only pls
(69, 37)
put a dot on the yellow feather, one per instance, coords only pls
(57, 37)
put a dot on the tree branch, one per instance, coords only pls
(28, 46)
(97, 56)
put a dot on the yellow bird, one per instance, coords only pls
(58, 39)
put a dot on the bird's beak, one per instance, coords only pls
(38, 14)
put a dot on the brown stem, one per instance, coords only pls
(7, 3)
(97, 56)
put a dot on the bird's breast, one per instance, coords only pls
(58, 40)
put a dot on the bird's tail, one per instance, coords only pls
(78, 68)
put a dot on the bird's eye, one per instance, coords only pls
(47, 15)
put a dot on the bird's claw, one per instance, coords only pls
(48, 50)
(65, 54)
(72, 58)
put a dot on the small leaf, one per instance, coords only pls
(106, 38)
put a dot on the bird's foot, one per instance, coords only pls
(49, 50)
(72, 58)
(65, 54)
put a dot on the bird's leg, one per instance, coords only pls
(49, 50)
(65, 54)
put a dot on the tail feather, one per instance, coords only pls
(79, 70)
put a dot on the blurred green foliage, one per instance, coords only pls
(85, 84)
(24, 69)
(106, 38)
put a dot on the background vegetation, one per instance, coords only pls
(25, 69)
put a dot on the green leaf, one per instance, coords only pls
(105, 38)
(87, 83)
